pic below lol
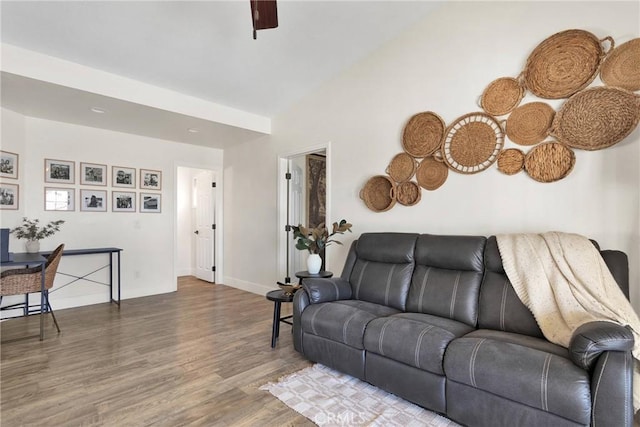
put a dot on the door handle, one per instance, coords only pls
(196, 232)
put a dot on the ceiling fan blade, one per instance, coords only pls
(264, 14)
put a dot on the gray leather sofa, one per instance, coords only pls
(434, 320)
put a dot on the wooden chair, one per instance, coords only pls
(23, 281)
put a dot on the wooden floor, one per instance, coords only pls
(192, 357)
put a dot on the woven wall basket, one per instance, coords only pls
(502, 96)
(621, 68)
(379, 193)
(511, 161)
(472, 143)
(431, 173)
(564, 63)
(597, 118)
(402, 167)
(407, 193)
(423, 134)
(549, 162)
(530, 123)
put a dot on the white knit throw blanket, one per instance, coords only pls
(565, 283)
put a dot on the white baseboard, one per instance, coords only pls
(255, 288)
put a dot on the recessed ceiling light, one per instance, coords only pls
(193, 130)
(98, 110)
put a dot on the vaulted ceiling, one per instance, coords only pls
(202, 50)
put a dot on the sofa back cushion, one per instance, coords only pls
(447, 277)
(500, 307)
(380, 266)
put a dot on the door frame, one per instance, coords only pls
(219, 217)
(283, 163)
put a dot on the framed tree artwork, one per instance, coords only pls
(316, 189)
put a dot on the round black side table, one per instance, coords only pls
(322, 274)
(278, 297)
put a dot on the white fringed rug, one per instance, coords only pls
(330, 398)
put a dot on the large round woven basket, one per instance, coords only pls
(597, 118)
(530, 123)
(501, 96)
(407, 193)
(510, 161)
(432, 173)
(423, 134)
(472, 143)
(621, 67)
(379, 193)
(402, 167)
(549, 161)
(564, 63)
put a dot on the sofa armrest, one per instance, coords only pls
(590, 340)
(324, 290)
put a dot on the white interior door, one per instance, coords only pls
(205, 226)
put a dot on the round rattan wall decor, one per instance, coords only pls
(621, 68)
(597, 118)
(501, 96)
(431, 173)
(423, 134)
(402, 167)
(379, 193)
(530, 123)
(407, 193)
(510, 161)
(472, 143)
(564, 63)
(549, 162)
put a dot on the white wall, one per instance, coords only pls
(442, 64)
(147, 239)
(184, 262)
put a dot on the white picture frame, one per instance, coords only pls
(93, 200)
(150, 179)
(123, 201)
(150, 203)
(59, 171)
(123, 177)
(93, 174)
(9, 196)
(59, 199)
(8, 165)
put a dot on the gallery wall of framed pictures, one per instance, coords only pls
(121, 198)
(9, 190)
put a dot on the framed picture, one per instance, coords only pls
(150, 202)
(123, 201)
(59, 199)
(93, 200)
(59, 171)
(123, 177)
(8, 165)
(93, 174)
(150, 179)
(9, 196)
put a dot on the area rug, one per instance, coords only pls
(330, 398)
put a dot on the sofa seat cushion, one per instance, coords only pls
(524, 370)
(416, 339)
(342, 321)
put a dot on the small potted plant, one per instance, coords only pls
(315, 240)
(33, 232)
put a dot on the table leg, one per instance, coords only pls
(118, 280)
(275, 331)
(42, 301)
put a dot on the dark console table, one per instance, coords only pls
(93, 251)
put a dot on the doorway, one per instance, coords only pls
(197, 227)
(303, 198)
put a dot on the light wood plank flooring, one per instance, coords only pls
(193, 357)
